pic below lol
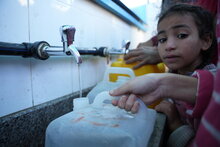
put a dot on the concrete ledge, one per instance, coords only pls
(27, 127)
(157, 137)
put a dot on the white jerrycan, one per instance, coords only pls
(106, 85)
(101, 124)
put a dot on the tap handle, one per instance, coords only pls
(126, 44)
(70, 32)
(67, 33)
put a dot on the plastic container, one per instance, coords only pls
(159, 68)
(107, 85)
(101, 125)
(80, 103)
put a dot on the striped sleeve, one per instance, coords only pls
(204, 93)
(208, 133)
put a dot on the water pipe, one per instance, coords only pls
(42, 50)
(24, 49)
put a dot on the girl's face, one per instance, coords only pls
(179, 44)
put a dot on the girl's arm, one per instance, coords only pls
(152, 87)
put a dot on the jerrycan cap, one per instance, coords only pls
(79, 103)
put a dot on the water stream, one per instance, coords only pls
(80, 81)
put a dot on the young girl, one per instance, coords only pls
(186, 37)
(186, 41)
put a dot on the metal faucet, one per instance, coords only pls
(122, 51)
(125, 46)
(67, 33)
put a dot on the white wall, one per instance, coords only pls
(26, 82)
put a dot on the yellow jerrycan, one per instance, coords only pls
(158, 68)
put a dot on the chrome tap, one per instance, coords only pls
(67, 33)
(72, 49)
(125, 46)
(121, 51)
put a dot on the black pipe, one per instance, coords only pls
(37, 51)
(24, 49)
(13, 49)
(95, 52)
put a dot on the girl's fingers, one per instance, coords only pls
(124, 89)
(130, 102)
(115, 102)
(131, 54)
(135, 107)
(122, 101)
(132, 60)
(163, 107)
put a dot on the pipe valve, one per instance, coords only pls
(67, 33)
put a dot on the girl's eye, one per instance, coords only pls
(162, 40)
(182, 36)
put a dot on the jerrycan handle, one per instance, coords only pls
(102, 97)
(161, 67)
(118, 70)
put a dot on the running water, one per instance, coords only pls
(80, 81)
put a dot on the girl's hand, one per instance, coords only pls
(127, 102)
(145, 87)
(143, 55)
(172, 114)
(155, 86)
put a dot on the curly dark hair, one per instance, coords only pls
(205, 23)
